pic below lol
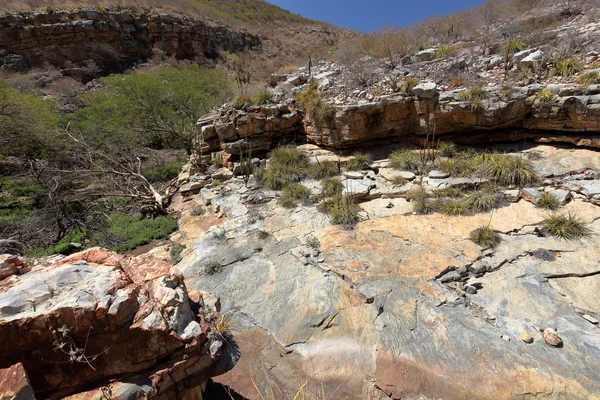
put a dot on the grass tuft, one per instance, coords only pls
(589, 78)
(567, 66)
(342, 210)
(404, 160)
(510, 170)
(293, 193)
(485, 237)
(566, 226)
(361, 161)
(545, 95)
(454, 207)
(323, 170)
(548, 201)
(483, 201)
(262, 98)
(287, 165)
(332, 187)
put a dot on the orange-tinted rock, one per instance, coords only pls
(14, 384)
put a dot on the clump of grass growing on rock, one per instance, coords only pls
(213, 267)
(293, 193)
(485, 237)
(262, 98)
(444, 50)
(332, 187)
(483, 201)
(447, 149)
(567, 66)
(175, 252)
(241, 102)
(421, 203)
(360, 161)
(462, 165)
(589, 78)
(224, 325)
(510, 170)
(404, 160)
(545, 95)
(548, 201)
(566, 226)
(287, 165)
(315, 105)
(454, 207)
(324, 169)
(197, 211)
(475, 97)
(409, 85)
(344, 211)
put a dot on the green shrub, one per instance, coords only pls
(589, 78)
(447, 149)
(332, 187)
(262, 98)
(566, 226)
(315, 105)
(175, 252)
(360, 161)
(485, 237)
(165, 173)
(545, 95)
(409, 85)
(548, 201)
(567, 66)
(465, 164)
(405, 160)
(293, 193)
(198, 211)
(444, 51)
(483, 201)
(344, 211)
(324, 169)
(240, 102)
(212, 268)
(419, 198)
(510, 170)
(131, 231)
(287, 165)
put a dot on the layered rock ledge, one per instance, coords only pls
(121, 324)
(111, 39)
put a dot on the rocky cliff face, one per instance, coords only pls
(124, 325)
(111, 40)
(571, 115)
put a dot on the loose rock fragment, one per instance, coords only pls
(526, 337)
(552, 338)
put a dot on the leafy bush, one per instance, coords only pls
(405, 160)
(545, 95)
(510, 170)
(131, 231)
(287, 165)
(164, 173)
(332, 187)
(324, 169)
(548, 201)
(485, 237)
(293, 193)
(263, 98)
(360, 161)
(566, 226)
(567, 66)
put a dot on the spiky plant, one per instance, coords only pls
(483, 201)
(360, 161)
(344, 211)
(454, 207)
(404, 160)
(485, 237)
(287, 165)
(293, 193)
(566, 226)
(548, 201)
(510, 170)
(332, 187)
(324, 169)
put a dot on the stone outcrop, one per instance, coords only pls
(571, 116)
(125, 325)
(111, 39)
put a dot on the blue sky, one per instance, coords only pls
(368, 15)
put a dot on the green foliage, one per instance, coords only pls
(131, 231)
(589, 78)
(360, 161)
(447, 149)
(332, 187)
(405, 160)
(475, 97)
(198, 211)
(512, 46)
(510, 170)
(175, 252)
(27, 124)
(566, 226)
(324, 169)
(262, 98)
(165, 173)
(485, 237)
(483, 201)
(157, 108)
(315, 105)
(342, 210)
(420, 200)
(567, 66)
(548, 201)
(287, 165)
(293, 193)
(409, 85)
(545, 95)
(213, 267)
(240, 102)
(462, 166)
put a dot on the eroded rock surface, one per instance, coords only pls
(74, 322)
(403, 305)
